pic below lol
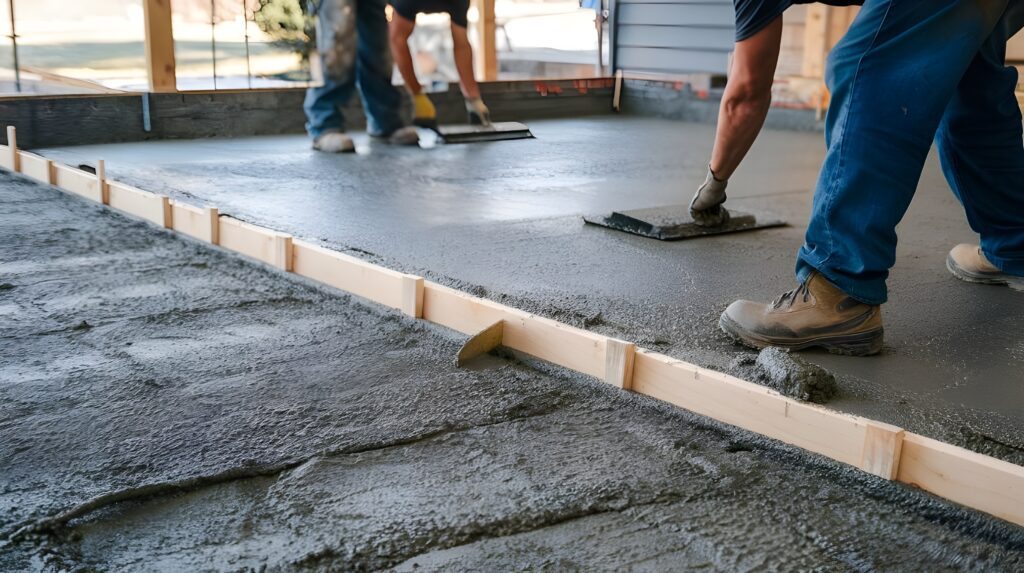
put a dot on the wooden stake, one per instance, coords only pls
(883, 445)
(481, 343)
(412, 296)
(13, 160)
(283, 252)
(101, 181)
(618, 363)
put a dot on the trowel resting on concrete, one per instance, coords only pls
(675, 222)
(469, 133)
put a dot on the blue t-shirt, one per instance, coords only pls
(753, 15)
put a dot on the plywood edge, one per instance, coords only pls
(143, 204)
(36, 167)
(993, 486)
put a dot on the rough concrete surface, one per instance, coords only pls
(167, 407)
(503, 220)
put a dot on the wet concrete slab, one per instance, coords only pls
(166, 407)
(503, 220)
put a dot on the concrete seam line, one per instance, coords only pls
(971, 479)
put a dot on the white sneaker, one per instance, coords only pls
(334, 142)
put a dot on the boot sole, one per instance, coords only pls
(856, 344)
(1001, 279)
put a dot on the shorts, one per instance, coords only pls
(456, 9)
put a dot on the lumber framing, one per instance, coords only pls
(198, 223)
(888, 452)
(9, 156)
(486, 53)
(36, 167)
(160, 65)
(143, 204)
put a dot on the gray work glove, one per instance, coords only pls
(478, 112)
(706, 207)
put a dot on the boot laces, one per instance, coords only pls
(791, 296)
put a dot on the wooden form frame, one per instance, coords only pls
(36, 167)
(143, 204)
(971, 479)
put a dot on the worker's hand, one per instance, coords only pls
(478, 112)
(706, 207)
(423, 109)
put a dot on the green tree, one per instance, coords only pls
(289, 23)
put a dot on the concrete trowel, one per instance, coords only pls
(475, 133)
(674, 223)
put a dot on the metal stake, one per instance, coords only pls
(213, 39)
(14, 48)
(245, 26)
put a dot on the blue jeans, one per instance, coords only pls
(352, 39)
(908, 72)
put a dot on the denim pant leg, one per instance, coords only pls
(892, 77)
(336, 45)
(382, 101)
(982, 151)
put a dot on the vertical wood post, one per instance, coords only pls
(486, 53)
(12, 146)
(160, 65)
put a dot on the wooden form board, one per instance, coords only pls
(859, 442)
(261, 244)
(968, 478)
(381, 285)
(573, 348)
(142, 204)
(79, 182)
(202, 224)
(36, 167)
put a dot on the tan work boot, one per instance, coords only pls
(968, 263)
(813, 314)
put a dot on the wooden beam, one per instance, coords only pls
(142, 204)
(486, 53)
(544, 338)
(202, 224)
(378, 284)
(987, 484)
(36, 167)
(78, 182)
(160, 65)
(256, 242)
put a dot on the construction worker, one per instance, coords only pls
(907, 72)
(352, 43)
(403, 22)
(747, 97)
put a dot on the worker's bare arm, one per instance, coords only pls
(747, 97)
(464, 62)
(399, 31)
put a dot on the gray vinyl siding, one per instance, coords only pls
(675, 36)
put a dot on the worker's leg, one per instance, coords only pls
(982, 150)
(464, 61)
(892, 77)
(475, 107)
(336, 45)
(381, 99)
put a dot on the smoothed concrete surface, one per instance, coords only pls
(502, 220)
(207, 414)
